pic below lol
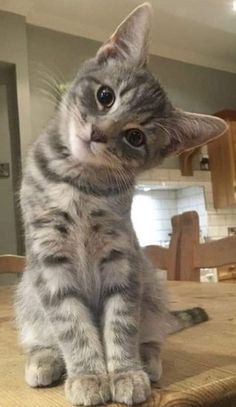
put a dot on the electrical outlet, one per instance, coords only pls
(4, 170)
(232, 231)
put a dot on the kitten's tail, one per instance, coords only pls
(179, 320)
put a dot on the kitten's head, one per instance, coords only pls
(118, 114)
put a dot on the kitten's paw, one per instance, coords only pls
(43, 369)
(130, 387)
(88, 390)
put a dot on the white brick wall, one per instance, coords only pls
(152, 211)
(151, 215)
(193, 199)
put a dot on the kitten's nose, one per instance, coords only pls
(98, 136)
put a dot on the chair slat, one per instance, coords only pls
(11, 263)
(216, 253)
(158, 256)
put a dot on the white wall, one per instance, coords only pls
(151, 215)
(196, 195)
(152, 212)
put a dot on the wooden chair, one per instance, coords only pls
(11, 263)
(182, 260)
(186, 255)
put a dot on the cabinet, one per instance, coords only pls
(227, 273)
(222, 155)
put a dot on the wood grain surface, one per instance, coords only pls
(199, 363)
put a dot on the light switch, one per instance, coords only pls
(4, 170)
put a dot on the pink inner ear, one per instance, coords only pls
(107, 51)
(116, 47)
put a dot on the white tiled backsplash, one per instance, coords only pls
(152, 210)
(151, 214)
(193, 199)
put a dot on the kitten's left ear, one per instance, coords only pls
(189, 130)
(130, 40)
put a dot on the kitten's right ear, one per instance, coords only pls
(130, 41)
(190, 130)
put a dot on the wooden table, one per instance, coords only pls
(199, 363)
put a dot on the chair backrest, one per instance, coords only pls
(11, 263)
(186, 255)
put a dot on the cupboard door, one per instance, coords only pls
(222, 167)
(233, 136)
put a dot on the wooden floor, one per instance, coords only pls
(199, 363)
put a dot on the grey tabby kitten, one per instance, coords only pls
(89, 302)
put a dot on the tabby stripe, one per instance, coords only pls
(57, 146)
(49, 174)
(122, 330)
(114, 255)
(43, 165)
(62, 229)
(53, 260)
(32, 182)
(97, 213)
(57, 298)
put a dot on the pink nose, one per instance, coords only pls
(98, 136)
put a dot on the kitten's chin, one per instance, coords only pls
(85, 151)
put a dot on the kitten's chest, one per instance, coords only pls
(98, 227)
(98, 234)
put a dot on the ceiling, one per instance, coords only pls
(201, 32)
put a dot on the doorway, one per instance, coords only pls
(11, 237)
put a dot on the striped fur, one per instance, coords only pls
(89, 302)
(187, 318)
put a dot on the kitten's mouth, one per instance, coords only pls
(96, 143)
(91, 151)
(97, 135)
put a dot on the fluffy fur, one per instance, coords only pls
(89, 302)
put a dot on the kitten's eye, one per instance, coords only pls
(105, 96)
(135, 137)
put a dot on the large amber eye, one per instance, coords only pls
(105, 96)
(135, 137)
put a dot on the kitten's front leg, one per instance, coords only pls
(129, 383)
(75, 331)
(58, 285)
(78, 338)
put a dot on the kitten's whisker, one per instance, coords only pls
(117, 181)
(76, 116)
(49, 97)
(56, 92)
(53, 76)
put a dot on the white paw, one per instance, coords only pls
(88, 390)
(130, 387)
(44, 366)
(43, 374)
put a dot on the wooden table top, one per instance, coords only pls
(199, 363)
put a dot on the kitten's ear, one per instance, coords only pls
(130, 41)
(188, 130)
